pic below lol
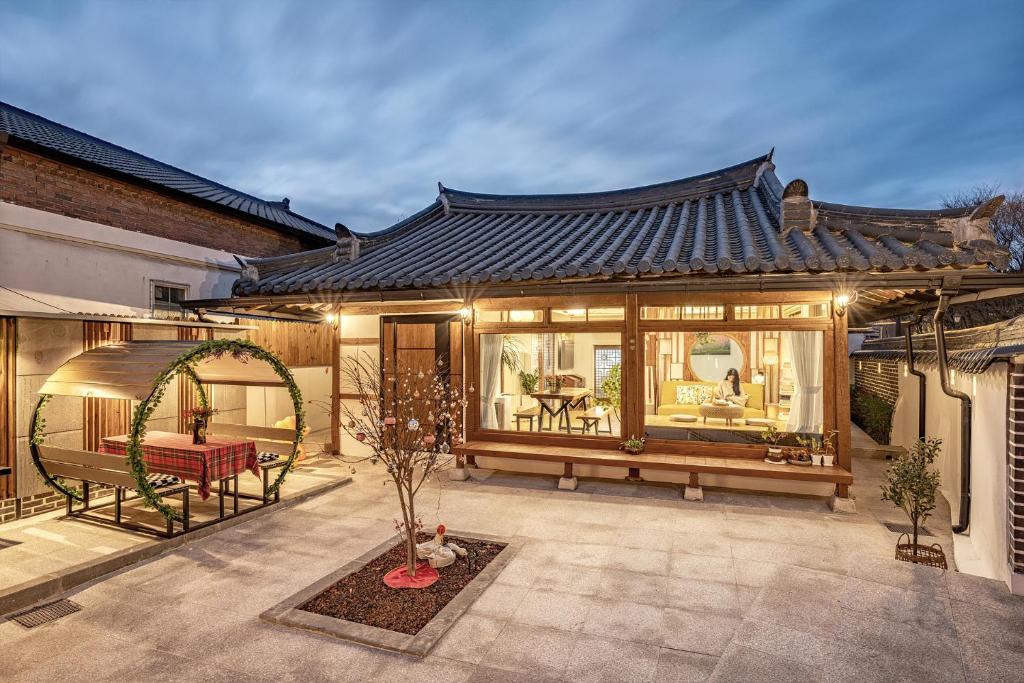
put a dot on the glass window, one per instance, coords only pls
(818, 310)
(730, 386)
(568, 315)
(659, 313)
(769, 312)
(515, 316)
(550, 382)
(702, 312)
(599, 314)
(167, 300)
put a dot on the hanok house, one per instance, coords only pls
(100, 244)
(576, 320)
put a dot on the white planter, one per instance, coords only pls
(829, 460)
(816, 458)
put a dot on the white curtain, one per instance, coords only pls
(805, 353)
(490, 379)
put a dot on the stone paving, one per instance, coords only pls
(614, 582)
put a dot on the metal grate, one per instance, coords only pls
(902, 528)
(44, 614)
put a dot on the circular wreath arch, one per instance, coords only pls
(185, 363)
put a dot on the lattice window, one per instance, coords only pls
(605, 358)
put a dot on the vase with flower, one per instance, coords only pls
(200, 420)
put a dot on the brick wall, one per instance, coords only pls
(1015, 466)
(879, 377)
(40, 183)
(8, 510)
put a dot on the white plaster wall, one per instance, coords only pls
(85, 267)
(983, 550)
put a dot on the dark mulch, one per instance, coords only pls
(363, 597)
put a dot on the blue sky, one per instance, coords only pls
(355, 110)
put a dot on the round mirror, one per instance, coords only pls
(711, 356)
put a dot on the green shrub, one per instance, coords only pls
(871, 413)
(911, 483)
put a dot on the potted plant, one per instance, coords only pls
(633, 445)
(528, 382)
(802, 455)
(828, 453)
(773, 436)
(912, 485)
(200, 419)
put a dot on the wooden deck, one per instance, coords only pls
(744, 467)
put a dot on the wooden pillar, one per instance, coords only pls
(841, 361)
(632, 372)
(336, 385)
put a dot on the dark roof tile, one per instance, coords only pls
(70, 143)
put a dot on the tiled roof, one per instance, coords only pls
(72, 144)
(727, 221)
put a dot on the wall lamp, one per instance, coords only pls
(844, 301)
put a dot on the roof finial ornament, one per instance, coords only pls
(975, 229)
(442, 194)
(249, 271)
(797, 210)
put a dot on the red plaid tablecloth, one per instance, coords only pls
(169, 453)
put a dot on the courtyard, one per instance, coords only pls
(615, 581)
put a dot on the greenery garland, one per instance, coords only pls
(185, 363)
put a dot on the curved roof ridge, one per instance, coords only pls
(736, 176)
(882, 212)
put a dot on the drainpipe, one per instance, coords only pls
(965, 415)
(922, 386)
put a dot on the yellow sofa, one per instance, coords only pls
(668, 405)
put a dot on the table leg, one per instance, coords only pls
(220, 496)
(234, 483)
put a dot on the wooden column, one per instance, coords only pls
(841, 362)
(8, 405)
(632, 372)
(336, 385)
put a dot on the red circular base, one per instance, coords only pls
(425, 576)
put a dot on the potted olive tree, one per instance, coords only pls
(611, 387)
(912, 485)
(772, 437)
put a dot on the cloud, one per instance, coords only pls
(354, 110)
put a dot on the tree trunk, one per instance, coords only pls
(914, 521)
(410, 540)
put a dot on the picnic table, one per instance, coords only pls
(171, 453)
(567, 397)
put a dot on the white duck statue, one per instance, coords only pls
(436, 552)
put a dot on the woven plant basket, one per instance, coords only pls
(928, 555)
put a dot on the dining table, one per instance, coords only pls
(170, 453)
(566, 398)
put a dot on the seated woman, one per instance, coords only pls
(729, 389)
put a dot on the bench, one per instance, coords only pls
(529, 414)
(109, 470)
(591, 419)
(273, 445)
(694, 465)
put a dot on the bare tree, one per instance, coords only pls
(1007, 224)
(409, 421)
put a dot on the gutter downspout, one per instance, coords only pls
(965, 415)
(922, 386)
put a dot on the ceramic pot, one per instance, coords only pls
(816, 458)
(829, 460)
